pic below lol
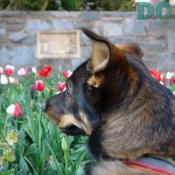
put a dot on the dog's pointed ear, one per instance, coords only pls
(102, 52)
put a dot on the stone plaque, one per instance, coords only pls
(58, 44)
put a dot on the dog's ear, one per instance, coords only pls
(103, 52)
(131, 48)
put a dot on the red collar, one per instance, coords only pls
(155, 165)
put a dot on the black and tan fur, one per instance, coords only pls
(112, 98)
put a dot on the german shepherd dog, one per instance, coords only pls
(112, 98)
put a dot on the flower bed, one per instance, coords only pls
(29, 142)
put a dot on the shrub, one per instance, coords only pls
(71, 4)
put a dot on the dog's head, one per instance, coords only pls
(96, 86)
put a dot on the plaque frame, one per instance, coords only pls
(40, 54)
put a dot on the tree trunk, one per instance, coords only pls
(45, 5)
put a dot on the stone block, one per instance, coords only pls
(34, 25)
(86, 52)
(2, 31)
(4, 57)
(84, 40)
(89, 16)
(76, 62)
(19, 36)
(62, 24)
(112, 29)
(23, 55)
(157, 25)
(166, 61)
(171, 41)
(132, 26)
(14, 27)
(16, 21)
(65, 14)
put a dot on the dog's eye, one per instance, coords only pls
(90, 88)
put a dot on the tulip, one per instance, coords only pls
(64, 144)
(155, 74)
(9, 69)
(47, 68)
(45, 71)
(3, 79)
(39, 84)
(12, 138)
(12, 80)
(9, 155)
(61, 86)
(14, 109)
(23, 72)
(173, 80)
(33, 88)
(66, 74)
(34, 70)
(1, 70)
(17, 110)
(168, 75)
(50, 89)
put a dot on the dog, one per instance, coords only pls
(113, 99)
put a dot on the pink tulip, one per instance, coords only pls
(1, 70)
(14, 109)
(61, 86)
(23, 72)
(39, 84)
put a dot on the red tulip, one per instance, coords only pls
(39, 84)
(66, 74)
(9, 69)
(155, 74)
(48, 68)
(61, 86)
(173, 80)
(8, 72)
(45, 71)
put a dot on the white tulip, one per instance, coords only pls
(3, 79)
(69, 73)
(10, 109)
(12, 80)
(168, 75)
(34, 70)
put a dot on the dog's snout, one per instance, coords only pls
(46, 106)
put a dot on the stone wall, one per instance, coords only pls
(18, 35)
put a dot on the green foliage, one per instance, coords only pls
(114, 5)
(29, 4)
(71, 4)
